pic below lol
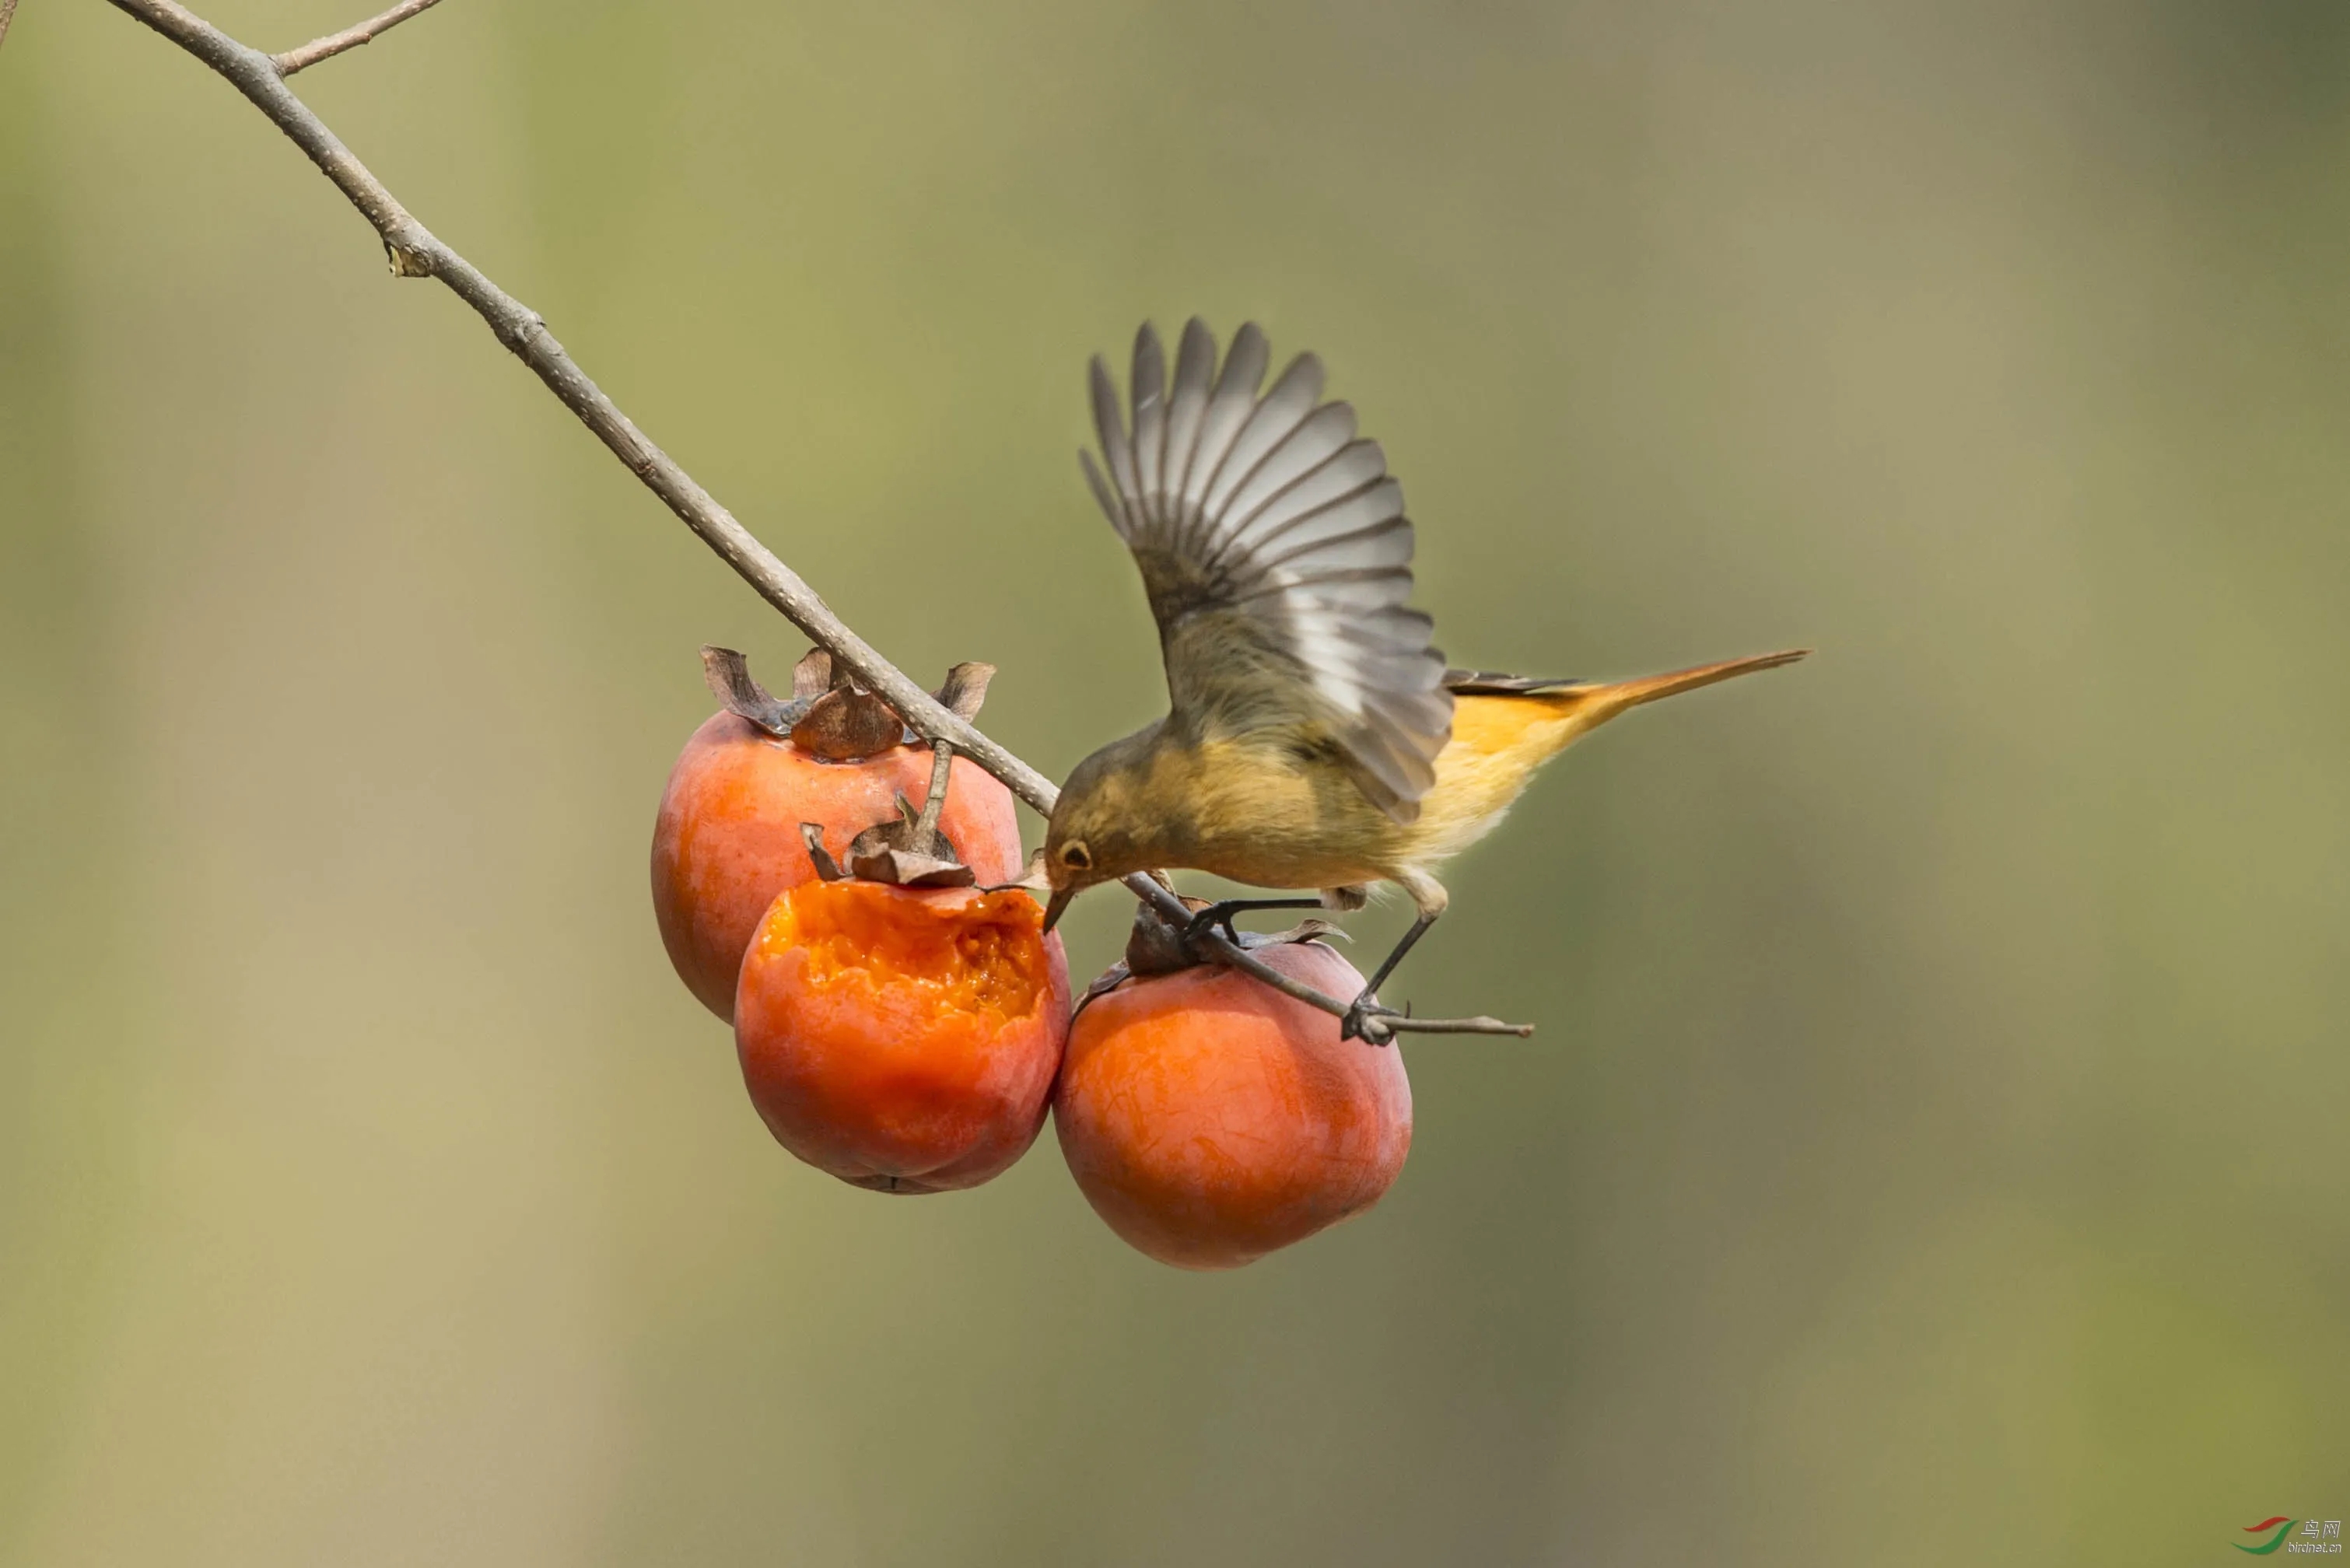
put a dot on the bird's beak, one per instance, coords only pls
(1058, 902)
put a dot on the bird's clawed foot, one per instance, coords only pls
(1208, 919)
(1222, 911)
(1362, 1021)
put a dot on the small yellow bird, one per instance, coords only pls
(1313, 739)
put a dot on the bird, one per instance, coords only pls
(1315, 738)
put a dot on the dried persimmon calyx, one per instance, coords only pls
(843, 722)
(965, 688)
(848, 723)
(827, 870)
(910, 852)
(840, 722)
(728, 674)
(1033, 878)
(828, 714)
(831, 717)
(1157, 945)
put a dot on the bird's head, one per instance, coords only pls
(1093, 836)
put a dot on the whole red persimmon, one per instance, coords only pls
(1210, 1119)
(727, 839)
(902, 1039)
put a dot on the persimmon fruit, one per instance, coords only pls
(727, 839)
(902, 1039)
(1210, 1119)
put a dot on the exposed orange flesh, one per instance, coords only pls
(981, 958)
(902, 1039)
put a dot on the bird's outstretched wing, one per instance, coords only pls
(1277, 558)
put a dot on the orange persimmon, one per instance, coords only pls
(902, 1039)
(727, 839)
(1210, 1119)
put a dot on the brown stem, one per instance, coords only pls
(415, 252)
(334, 44)
(7, 14)
(935, 802)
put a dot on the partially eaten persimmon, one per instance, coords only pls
(902, 1039)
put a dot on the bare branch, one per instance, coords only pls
(415, 252)
(7, 14)
(334, 44)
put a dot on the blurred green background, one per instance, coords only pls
(1933, 1147)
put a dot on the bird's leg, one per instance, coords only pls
(1430, 898)
(1222, 911)
(1366, 1004)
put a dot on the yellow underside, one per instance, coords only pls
(1233, 808)
(1497, 743)
(1294, 828)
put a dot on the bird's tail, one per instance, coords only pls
(1506, 726)
(1549, 714)
(1596, 704)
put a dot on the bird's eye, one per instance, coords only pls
(1076, 857)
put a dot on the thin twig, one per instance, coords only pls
(415, 252)
(7, 14)
(934, 802)
(334, 44)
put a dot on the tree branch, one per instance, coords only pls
(334, 44)
(7, 14)
(415, 252)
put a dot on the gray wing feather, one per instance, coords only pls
(1187, 407)
(1104, 496)
(1281, 412)
(1272, 539)
(1228, 410)
(1383, 547)
(1150, 389)
(1110, 426)
(1332, 527)
(1358, 467)
(1317, 438)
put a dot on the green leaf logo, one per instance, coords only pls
(2281, 1525)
